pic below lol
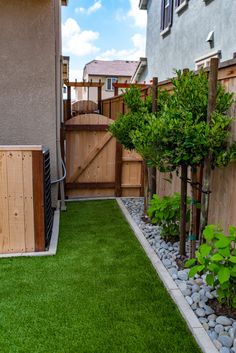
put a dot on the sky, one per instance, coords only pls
(102, 29)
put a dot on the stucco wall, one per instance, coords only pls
(186, 41)
(28, 74)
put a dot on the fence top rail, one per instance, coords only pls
(21, 148)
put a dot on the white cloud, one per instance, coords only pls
(76, 75)
(139, 16)
(95, 7)
(78, 42)
(134, 53)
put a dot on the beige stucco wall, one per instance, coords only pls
(28, 95)
(92, 94)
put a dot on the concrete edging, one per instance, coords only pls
(53, 242)
(199, 333)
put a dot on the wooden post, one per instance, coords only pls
(100, 98)
(182, 241)
(152, 170)
(213, 74)
(116, 90)
(118, 170)
(145, 188)
(38, 191)
(68, 102)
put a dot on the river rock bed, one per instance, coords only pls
(221, 329)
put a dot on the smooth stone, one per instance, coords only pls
(201, 304)
(233, 350)
(213, 335)
(212, 317)
(224, 350)
(214, 293)
(234, 324)
(206, 326)
(174, 276)
(232, 332)
(167, 263)
(211, 323)
(219, 328)
(208, 310)
(217, 344)
(200, 312)
(194, 306)
(226, 341)
(209, 295)
(172, 270)
(183, 275)
(234, 344)
(227, 328)
(198, 280)
(196, 297)
(203, 320)
(223, 320)
(195, 288)
(189, 300)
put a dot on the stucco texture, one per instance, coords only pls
(28, 74)
(186, 40)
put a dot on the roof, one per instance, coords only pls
(111, 68)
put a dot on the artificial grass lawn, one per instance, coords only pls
(99, 294)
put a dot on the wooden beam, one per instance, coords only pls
(83, 84)
(94, 152)
(100, 98)
(38, 197)
(87, 127)
(128, 85)
(90, 185)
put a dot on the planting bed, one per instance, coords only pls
(220, 328)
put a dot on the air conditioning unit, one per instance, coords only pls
(26, 215)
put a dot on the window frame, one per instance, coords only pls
(166, 16)
(112, 80)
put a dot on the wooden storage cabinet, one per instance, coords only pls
(23, 216)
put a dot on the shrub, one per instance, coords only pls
(166, 212)
(217, 259)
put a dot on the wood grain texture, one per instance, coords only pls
(38, 191)
(4, 214)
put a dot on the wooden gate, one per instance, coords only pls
(98, 166)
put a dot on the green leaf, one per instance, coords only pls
(232, 259)
(217, 257)
(205, 250)
(223, 242)
(225, 252)
(190, 262)
(210, 279)
(194, 270)
(223, 274)
(213, 267)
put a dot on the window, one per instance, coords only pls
(180, 5)
(110, 81)
(166, 15)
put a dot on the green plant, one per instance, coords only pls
(166, 212)
(217, 259)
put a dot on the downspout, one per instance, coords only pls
(58, 88)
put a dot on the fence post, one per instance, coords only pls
(68, 102)
(100, 98)
(213, 75)
(118, 170)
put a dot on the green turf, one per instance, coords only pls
(99, 294)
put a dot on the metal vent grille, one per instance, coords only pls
(48, 211)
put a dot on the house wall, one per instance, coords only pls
(186, 40)
(92, 94)
(29, 59)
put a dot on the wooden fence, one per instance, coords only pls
(223, 198)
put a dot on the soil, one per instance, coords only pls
(180, 263)
(222, 309)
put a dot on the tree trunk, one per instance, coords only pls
(182, 241)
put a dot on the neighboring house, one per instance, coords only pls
(30, 71)
(108, 72)
(65, 73)
(186, 34)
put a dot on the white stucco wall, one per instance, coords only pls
(28, 56)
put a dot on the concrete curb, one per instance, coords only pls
(53, 242)
(199, 333)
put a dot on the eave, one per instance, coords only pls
(143, 4)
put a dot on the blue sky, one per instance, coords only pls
(102, 29)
